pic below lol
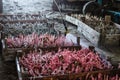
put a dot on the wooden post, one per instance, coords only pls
(78, 41)
(108, 19)
(1, 6)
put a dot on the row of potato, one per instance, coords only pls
(98, 23)
(26, 24)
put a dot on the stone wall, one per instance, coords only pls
(1, 7)
(26, 6)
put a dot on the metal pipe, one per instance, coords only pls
(18, 69)
(61, 15)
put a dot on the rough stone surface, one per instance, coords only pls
(26, 6)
